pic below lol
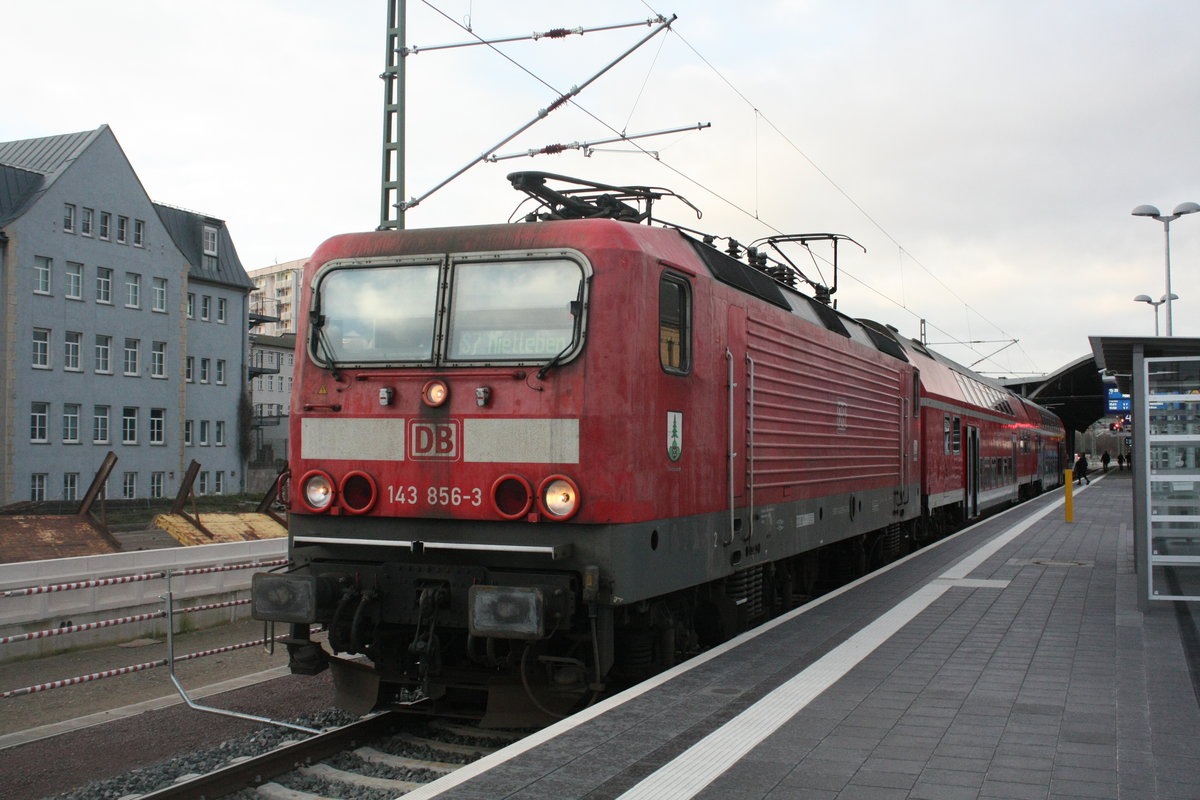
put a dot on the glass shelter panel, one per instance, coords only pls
(1173, 457)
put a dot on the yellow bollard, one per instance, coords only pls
(1069, 507)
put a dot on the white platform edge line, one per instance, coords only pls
(709, 758)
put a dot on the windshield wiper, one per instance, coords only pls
(323, 345)
(576, 307)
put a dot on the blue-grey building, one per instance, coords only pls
(123, 328)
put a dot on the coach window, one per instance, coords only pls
(957, 436)
(946, 434)
(674, 324)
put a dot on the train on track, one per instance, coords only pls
(572, 449)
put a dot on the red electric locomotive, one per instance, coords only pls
(579, 446)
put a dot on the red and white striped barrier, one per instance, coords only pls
(112, 673)
(168, 609)
(147, 576)
(66, 587)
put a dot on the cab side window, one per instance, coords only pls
(675, 324)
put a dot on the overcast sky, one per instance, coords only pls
(987, 154)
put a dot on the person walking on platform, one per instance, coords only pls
(1104, 459)
(1081, 468)
(1120, 461)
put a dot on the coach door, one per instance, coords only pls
(972, 465)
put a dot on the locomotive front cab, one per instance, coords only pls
(434, 454)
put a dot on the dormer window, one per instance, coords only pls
(210, 240)
(210, 247)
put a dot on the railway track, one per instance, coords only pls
(376, 758)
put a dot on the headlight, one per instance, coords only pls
(512, 496)
(358, 492)
(316, 491)
(435, 393)
(558, 497)
(506, 612)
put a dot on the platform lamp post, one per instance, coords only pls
(1153, 213)
(1145, 298)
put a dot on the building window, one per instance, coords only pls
(160, 294)
(221, 371)
(158, 422)
(41, 348)
(105, 225)
(139, 233)
(187, 432)
(133, 290)
(219, 433)
(103, 285)
(219, 482)
(157, 484)
(39, 421)
(191, 308)
(210, 240)
(204, 433)
(129, 485)
(85, 222)
(205, 307)
(71, 486)
(130, 360)
(74, 276)
(71, 347)
(70, 430)
(100, 424)
(37, 487)
(129, 421)
(221, 308)
(204, 370)
(189, 367)
(202, 483)
(69, 218)
(122, 229)
(41, 274)
(158, 360)
(103, 353)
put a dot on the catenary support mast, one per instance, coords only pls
(391, 210)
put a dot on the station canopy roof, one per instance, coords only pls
(1114, 354)
(1074, 392)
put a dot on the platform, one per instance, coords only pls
(1008, 661)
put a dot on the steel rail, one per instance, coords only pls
(258, 770)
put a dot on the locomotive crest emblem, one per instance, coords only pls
(674, 435)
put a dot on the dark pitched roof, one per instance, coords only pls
(47, 155)
(186, 229)
(17, 188)
(29, 166)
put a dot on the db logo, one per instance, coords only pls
(433, 440)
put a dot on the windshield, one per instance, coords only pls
(514, 311)
(383, 314)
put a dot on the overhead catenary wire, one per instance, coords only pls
(752, 214)
(845, 194)
(558, 103)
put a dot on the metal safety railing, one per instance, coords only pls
(168, 612)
